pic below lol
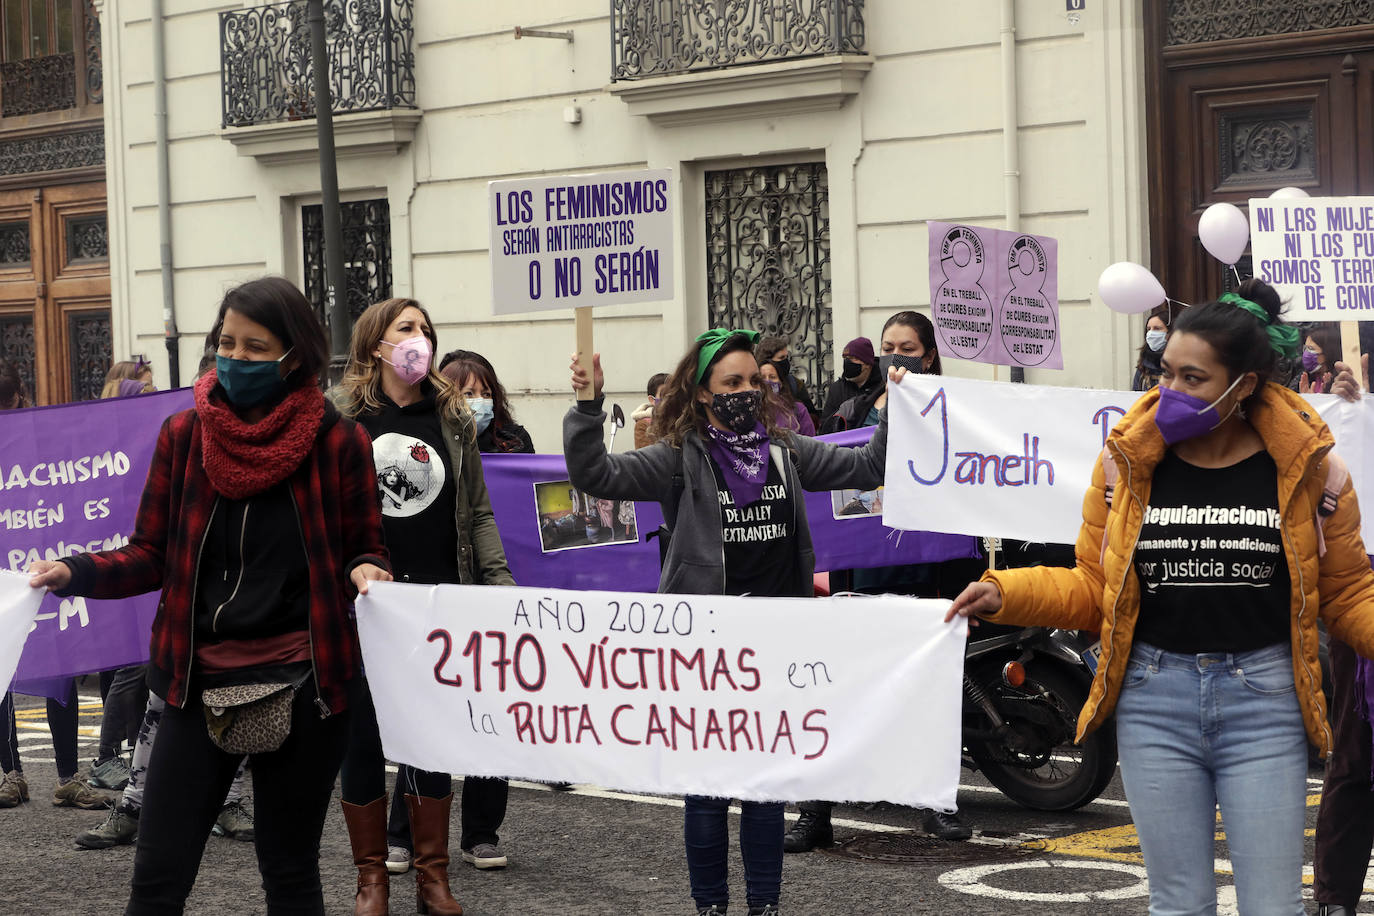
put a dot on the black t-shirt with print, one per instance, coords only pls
(1213, 575)
(760, 539)
(419, 494)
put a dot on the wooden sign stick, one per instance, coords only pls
(584, 352)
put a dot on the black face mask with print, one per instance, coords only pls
(738, 410)
(913, 364)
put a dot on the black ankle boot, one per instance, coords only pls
(946, 826)
(810, 830)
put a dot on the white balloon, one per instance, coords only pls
(1224, 232)
(1128, 288)
(1289, 193)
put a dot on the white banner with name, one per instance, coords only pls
(569, 241)
(1318, 252)
(853, 699)
(18, 608)
(989, 458)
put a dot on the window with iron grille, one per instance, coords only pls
(367, 254)
(768, 260)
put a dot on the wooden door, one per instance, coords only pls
(55, 290)
(1236, 119)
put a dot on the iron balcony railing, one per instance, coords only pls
(265, 60)
(661, 37)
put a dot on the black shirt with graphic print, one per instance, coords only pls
(419, 494)
(1213, 575)
(760, 539)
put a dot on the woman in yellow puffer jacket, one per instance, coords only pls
(1207, 555)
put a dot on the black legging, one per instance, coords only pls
(363, 776)
(61, 725)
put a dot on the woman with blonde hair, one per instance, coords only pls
(128, 377)
(439, 528)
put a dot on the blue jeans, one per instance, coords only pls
(706, 830)
(1197, 730)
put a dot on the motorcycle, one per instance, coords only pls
(1023, 689)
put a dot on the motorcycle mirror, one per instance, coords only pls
(617, 424)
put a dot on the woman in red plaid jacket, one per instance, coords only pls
(259, 522)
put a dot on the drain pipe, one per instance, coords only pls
(1011, 134)
(164, 196)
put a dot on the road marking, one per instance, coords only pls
(970, 881)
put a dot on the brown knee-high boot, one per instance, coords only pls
(367, 834)
(429, 832)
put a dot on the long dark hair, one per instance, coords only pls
(276, 304)
(1240, 340)
(679, 412)
(925, 333)
(458, 365)
(1162, 313)
(1327, 336)
(13, 394)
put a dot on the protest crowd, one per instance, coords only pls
(274, 503)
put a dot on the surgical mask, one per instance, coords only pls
(483, 409)
(248, 382)
(1181, 416)
(738, 410)
(412, 357)
(916, 365)
(851, 369)
(1310, 360)
(1155, 339)
(784, 366)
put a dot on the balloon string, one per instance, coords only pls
(1236, 273)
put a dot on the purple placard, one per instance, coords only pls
(70, 481)
(849, 543)
(994, 295)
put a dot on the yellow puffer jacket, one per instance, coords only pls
(1327, 564)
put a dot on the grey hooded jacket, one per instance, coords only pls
(695, 564)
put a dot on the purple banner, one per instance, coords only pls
(556, 537)
(70, 481)
(994, 295)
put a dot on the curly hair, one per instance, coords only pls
(679, 412)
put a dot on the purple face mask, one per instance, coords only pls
(1310, 360)
(1182, 416)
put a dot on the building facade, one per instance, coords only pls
(810, 140)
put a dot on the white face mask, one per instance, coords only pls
(1155, 339)
(483, 409)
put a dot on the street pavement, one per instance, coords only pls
(592, 851)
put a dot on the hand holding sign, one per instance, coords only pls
(49, 574)
(579, 376)
(976, 599)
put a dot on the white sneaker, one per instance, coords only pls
(397, 860)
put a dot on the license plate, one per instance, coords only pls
(1091, 656)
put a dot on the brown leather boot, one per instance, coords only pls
(429, 832)
(367, 833)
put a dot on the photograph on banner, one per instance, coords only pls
(995, 295)
(1318, 253)
(752, 698)
(849, 504)
(573, 241)
(570, 519)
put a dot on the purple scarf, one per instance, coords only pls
(742, 459)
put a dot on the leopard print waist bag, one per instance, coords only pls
(249, 718)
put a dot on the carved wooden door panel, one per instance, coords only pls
(55, 290)
(1237, 129)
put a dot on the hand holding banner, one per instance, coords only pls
(18, 606)
(855, 699)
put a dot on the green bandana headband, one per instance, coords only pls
(715, 339)
(1284, 338)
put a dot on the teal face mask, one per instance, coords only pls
(248, 383)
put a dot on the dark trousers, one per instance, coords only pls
(125, 698)
(187, 779)
(62, 722)
(1345, 821)
(363, 777)
(706, 831)
(483, 805)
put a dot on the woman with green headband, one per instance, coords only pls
(718, 452)
(1218, 529)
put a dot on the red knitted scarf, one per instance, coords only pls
(244, 459)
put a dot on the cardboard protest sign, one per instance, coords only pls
(994, 295)
(750, 698)
(976, 457)
(1318, 252)
(71, 477)
(574, 241)
(18, 606)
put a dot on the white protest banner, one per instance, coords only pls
(983, 458)
(856, 698)
(1318, 252)
(574, 241)
(18, 607)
